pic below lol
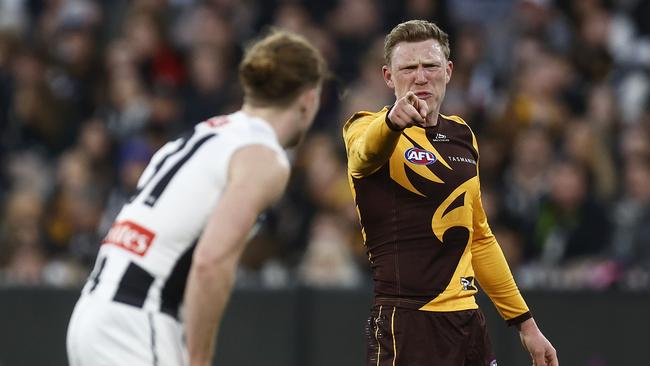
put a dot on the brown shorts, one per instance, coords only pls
(404, 337)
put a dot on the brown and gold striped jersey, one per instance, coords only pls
(418, 196)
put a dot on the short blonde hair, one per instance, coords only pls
(278, 67)
(415, 31)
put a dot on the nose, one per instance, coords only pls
(420, 78)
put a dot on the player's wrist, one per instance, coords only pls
(390, 123)
(200, 361)
(528, 326)
(206, 363)
(516, 321)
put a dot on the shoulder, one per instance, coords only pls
(453, 118)
(243, 130)
(364, 116)
(461, 121)
(261, 161)
(257, 177)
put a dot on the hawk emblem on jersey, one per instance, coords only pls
(420, 153)
(467, 283)
(418, 156)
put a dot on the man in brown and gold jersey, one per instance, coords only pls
(414, 175)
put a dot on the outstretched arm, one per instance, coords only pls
(370, 139)
(257, 177)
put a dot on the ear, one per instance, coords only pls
(309, 101)
(387, 76)
(450, 68)
(311, 96)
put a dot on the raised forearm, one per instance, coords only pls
(370, 144)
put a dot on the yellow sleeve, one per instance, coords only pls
(492, 270)
(369, 142)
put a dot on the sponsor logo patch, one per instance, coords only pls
(217, 121)
(419, 156)
(461, 159)
(130, 236)
(440, 138)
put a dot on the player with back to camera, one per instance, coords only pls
(166, 268)
(414, 174)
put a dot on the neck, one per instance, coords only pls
(282, 120)
(432, 120)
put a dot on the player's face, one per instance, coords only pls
(309, 105)
(420, 67)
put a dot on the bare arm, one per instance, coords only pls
(257, 177)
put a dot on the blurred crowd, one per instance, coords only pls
(557, 92)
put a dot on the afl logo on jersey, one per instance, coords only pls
(419, 156)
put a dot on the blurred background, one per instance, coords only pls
(558, 93)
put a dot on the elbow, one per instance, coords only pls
(206, 275)
(368, 156)
(209, 266)
(362, 164)
(360, 152)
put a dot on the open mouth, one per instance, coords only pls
(423, 95)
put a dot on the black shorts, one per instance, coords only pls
(404, 337)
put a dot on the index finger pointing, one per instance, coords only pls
(423, 108)
(413, 99)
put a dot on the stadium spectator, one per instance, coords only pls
(526, 178)
(631, 238)
(22, 256)
(585, 144)
(329, 260)
(576, 72)
(570, 224)
(208, 90)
